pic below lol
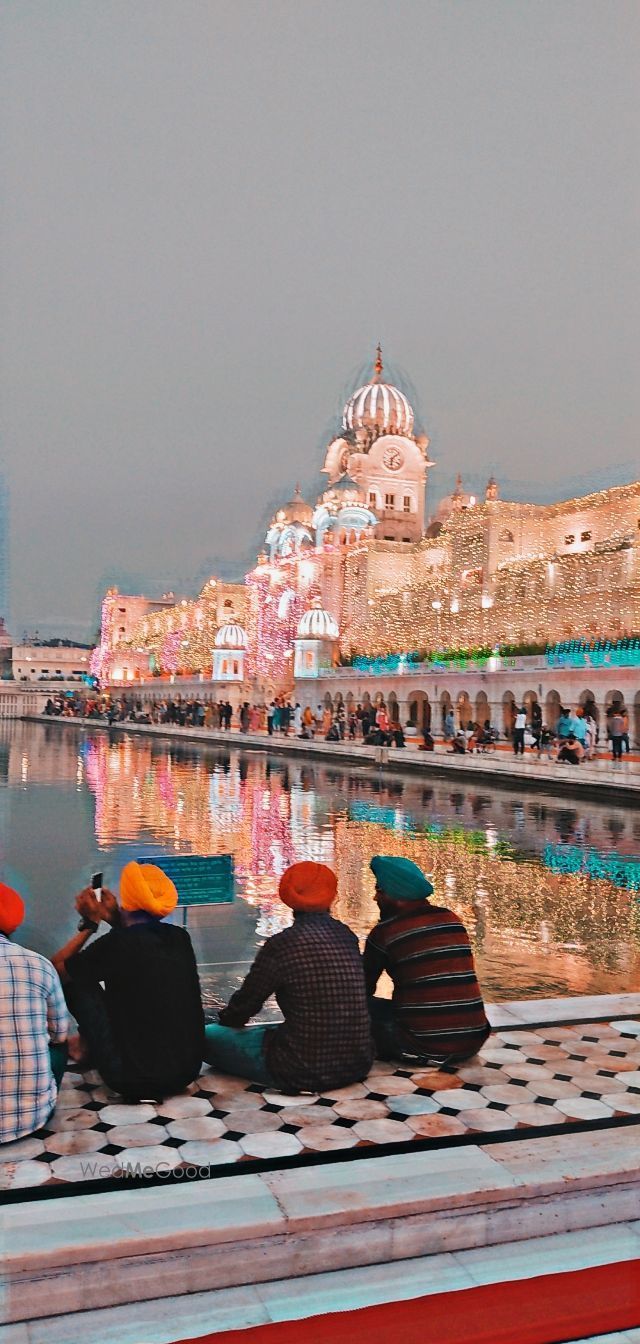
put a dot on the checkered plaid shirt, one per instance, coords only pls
(314, 968)
(32, 1015)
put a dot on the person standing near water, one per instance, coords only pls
(519, 727)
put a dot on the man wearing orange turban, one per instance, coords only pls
(315, 971)
(144, 1031)
(33, 1029)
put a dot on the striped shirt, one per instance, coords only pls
(33, 1015)
(437, 1002)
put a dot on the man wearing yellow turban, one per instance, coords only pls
(314, 969)
(144, 1031)
(33, 1029)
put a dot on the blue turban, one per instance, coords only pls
(400, 879)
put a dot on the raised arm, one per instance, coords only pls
(93, 911)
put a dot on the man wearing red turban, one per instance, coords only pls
(315, 970)
(143, 1031)
(33, 1029)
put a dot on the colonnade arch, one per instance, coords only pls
(483, 713)
(529, 699)
(587, 700)
(508, 712)
(463, 706)
(420, 710)
(552, 713)
(445, 706)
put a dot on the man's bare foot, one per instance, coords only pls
(77, 1050)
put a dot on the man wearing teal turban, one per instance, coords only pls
(436, 1012)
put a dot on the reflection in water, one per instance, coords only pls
(547, 887)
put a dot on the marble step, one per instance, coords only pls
(163, 1320)
(105, 1249)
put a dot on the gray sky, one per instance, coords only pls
(214, 209)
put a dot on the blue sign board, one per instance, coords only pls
(200, 879)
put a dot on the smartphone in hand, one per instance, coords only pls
(96, 886)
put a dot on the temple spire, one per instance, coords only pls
(378, 366)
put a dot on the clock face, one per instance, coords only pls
(393, 459)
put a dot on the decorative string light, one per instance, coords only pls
(496, 574)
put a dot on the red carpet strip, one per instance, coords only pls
(549, 1309)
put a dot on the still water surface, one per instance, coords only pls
(549, 887)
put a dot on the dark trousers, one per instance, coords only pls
(89, 1007)
(518, 741)
(616, 748)
(391, 1045)
(58, 1060)
(571, 757)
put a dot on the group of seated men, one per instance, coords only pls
(135, 994)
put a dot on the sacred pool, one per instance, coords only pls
(548, 886)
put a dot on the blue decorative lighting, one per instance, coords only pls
(594, 653)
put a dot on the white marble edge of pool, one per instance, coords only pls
(394, 1192)
(245, 1206)
(546, 1012)
(599, 774)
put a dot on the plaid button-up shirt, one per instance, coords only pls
(33, 1014)
(315, 970)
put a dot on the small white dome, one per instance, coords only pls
(317, 624)
(231, 636)
(378, 406)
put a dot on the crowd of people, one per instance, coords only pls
(135, 994)
(364, 722)
(574, 737)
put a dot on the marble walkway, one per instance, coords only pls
(568, 1063)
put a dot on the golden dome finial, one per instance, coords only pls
(378, 366)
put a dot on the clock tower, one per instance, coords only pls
(380, 452)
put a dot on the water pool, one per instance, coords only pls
(548, 887)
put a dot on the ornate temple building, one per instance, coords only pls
(365, 571)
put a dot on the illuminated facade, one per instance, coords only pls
(142, 637)
(390, 580)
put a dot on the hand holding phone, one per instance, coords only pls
(84, 923)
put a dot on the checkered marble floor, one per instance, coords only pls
(522, 1079)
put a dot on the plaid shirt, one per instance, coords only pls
(315, 970)
(32, 1015)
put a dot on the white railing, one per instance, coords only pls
(18, 699)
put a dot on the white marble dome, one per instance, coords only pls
(317, 624)
(378, 406)
(231, 636)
